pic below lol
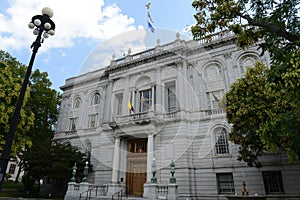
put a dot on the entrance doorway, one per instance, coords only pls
(136, 174)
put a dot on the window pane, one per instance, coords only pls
(92, 120)
(225, 183)
(172, 99)
(145, 100)
(119, 104)
(221, 142)
(12, 169)
(77, 103)
(273, 182)
(72, 125)
(96, 99)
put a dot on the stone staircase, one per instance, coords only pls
(109, 198)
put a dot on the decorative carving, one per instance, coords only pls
(227, 55)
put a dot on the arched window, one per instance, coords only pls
(221, 140)
(77, 103)
(96, 99)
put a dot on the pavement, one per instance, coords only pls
(20, 198)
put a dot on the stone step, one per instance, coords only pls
(123, 198)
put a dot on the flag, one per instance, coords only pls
(150, 27)
(130, 107)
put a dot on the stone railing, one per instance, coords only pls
(152, 115)
(162, 191)
(214, 111)
(169, 47)
(84, 190)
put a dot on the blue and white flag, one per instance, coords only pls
(150, 27)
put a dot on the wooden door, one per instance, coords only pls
(136, 174)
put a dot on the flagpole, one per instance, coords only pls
(148, 7)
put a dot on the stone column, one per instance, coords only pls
(107, 108)
(158, 93)
(186, 89)
(180, 87)
(153, 97)
(133, 101)
(150, 156)
(126, 97)
(115, 185)
(115, 169)
(228, 71)
(148, 186)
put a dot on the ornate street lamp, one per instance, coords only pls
(42, 26)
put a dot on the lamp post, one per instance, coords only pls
(42, 26)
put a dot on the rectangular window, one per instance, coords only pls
(225, 183)
(172, 107)
(214, 98)
(119, 101)
(72, 124)
(273, 182)
(12, 169)
(145, 100)
(92, 120)
(170, 97)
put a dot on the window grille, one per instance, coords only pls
(273, 182)
(12, 169)
(225, 183)
(221, 142)
(172, 107)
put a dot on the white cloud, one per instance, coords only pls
(73, 19)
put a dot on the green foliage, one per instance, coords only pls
(54, 162)
(264, 106)
(282, 130)
(11, 78)
(277, 23)
(264, 110)
(247, 106)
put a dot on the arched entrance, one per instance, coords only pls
(136, 166)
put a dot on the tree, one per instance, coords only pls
(53, 163)
(12, 74)
(264, 106)
(43, 102)
(276, 22)
(265, 115)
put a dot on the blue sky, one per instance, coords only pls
(84, 26)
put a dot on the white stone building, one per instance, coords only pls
(174, 90)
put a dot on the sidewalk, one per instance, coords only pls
(20, 198)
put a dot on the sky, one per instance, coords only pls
(88, 32)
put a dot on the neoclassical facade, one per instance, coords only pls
(162, 105)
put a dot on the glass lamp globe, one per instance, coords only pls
(35, 32)
(47, 11)
(51, 32)
(37, 22)
(47, 25)
(31, 25)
